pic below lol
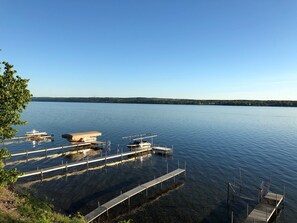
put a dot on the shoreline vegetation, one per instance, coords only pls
(143, 100)
(16, 207)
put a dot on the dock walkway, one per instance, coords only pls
(265, 209)
(162, 150)
(66, 166)
(126, 196)
(48, 149)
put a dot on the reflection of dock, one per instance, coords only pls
(264, 211)
(85, 162)
(126, 196)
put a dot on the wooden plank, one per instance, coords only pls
(123, 197)
(264, 211)
(92, 215)
(165, 149)
(273, 196)
(115, 201)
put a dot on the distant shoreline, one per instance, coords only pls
(142, 100)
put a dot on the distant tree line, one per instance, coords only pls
(142, 100)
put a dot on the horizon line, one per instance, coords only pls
(135, 97)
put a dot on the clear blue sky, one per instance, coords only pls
(201, 49)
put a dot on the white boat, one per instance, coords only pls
(139, 144)
(35, 133)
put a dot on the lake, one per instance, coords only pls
(220, 144)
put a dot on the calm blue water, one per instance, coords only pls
(217, 142)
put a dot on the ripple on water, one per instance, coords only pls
(218, 142)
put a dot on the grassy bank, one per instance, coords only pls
(23, 208)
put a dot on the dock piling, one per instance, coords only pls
(66, 168)
(87, 163)
(105, 158)
(121, 155)
(167, 168)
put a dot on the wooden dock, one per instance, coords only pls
(22, 139)
(264, 211)
(48, 149)
(162, 150)
(126, 196)
(66, 166)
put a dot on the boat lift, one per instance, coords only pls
(140, 137)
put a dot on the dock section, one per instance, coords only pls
(126, 196)
(48, 149)
(162, 150)
(264, 211)
(85, 162)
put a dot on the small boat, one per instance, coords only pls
(35, 133)
(38, 136)
(139, 144)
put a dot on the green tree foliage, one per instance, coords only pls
(172, 101)
(14, 96)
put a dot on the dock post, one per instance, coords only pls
(41, 173)
(284, 196)
(259, 196)
(105, 158)
(66, 168)
(232, 217)
(27, 155)
(121, 155)
(45, 153)
(87, 163)
(167, 168)
(129, 202)
(98, 204)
